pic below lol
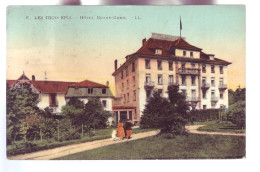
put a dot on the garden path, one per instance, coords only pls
(75, 148)
(194, 129)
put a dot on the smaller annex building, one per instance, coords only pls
(55, 94)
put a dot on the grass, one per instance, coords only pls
(224, 126)
(160, 147)
(18, 147)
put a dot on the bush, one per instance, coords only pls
(204, 115)
(237, 114)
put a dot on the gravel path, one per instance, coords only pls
(75, 148)
(193, 129)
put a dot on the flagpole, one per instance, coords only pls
(180, 26)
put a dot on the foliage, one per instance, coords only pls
(169, 115)
(237, 114)
(204, 115)
(235, 96)
(94, 116)
(22, 113)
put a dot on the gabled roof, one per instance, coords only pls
(87, 83)
(182, 44)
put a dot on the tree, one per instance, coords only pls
(237, 114)
(94, 116)
(169, 115)
(74, 110)
(22, 113)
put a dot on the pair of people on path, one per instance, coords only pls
(124, 129)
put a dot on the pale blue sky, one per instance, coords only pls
(86, 49)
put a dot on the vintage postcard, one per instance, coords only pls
(125, 82)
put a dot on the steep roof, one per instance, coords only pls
(87, 83)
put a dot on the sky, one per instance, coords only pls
(76, 49)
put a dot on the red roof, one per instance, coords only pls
(166, 46)
(87, 83)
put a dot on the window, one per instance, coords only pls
(204, 81)
(127, 84)
(158, 51)
(147, 64)
(204, 106)
(53, 99)
(104, 103)
(212, 81)
(127, 97)
(204, 68)
(193, 93)
(90, 90)
(193, 64)
(122, 74)
(148, 78)
(133, 81)
(160, 92)
(193, 80)
(134, 98)
(104, 90)
(170, 65)
(212, 69)
(122, 86)
(191, 54)
(183, 65)
(184, 53)
(183, 80)
(212, 93)
(133, 66)
(221, 95)
(221, 69)
(159, 64)
(221, 82)
(211, 57)
(160, 79)
(171, 79)
(148, 94)
(126, 73)
(124, 98)
(204, 94)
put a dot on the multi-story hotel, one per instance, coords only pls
(164, 60)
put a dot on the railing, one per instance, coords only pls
(172, 83)
(205, 86)
(192, 99)
(149, 84)
(222, 86)
(214, 99)
(189, 71)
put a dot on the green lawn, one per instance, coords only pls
(224, 126)
(160, 147)
(36, 145)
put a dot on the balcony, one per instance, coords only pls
(214, 99)
(205, 86)
(222, 86)
(148, 84)
(172, 83)
(188, 71)
(192, 99)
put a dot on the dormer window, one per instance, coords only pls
(158, 51)
(191, 54)
(184, 53)
(211, 57)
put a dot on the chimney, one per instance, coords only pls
(33, 78)
(107, 83)
(115, 64)
(144, 40)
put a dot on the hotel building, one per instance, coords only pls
(165, 60)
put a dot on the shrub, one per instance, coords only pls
(237, 114)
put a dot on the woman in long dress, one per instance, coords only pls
(120, 130)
